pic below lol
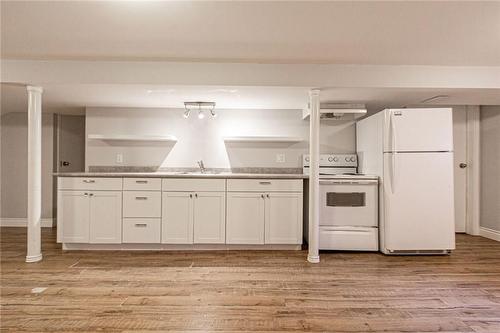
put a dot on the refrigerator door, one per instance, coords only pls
(418, 130)
(418, 202)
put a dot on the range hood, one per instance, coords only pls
(337, 111)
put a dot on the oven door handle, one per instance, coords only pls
(345, 182)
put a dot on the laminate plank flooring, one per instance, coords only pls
(257, 291)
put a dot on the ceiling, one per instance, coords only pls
(72, 99)
(334, 32)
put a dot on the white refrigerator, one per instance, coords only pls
(411, 150)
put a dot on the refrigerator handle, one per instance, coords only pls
(393, 149)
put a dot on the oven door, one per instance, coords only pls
(348, 203)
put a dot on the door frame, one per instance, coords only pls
(473, 150)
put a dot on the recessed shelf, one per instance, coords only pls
(128, 137)
(290, 139)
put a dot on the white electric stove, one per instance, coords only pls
(348, 218)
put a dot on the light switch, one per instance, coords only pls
(119, 158)
(280, 158)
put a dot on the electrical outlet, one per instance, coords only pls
(280, 158)
(119, 158)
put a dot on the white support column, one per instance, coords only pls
(313, 255)
(34, 248)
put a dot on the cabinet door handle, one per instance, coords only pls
(141, 181)
(141, 198)
(85, 194)
(262, 196)
(89, 181)
(91, 194)
(267, 195)
(196, 195)
(265, 183)
(141, 225)
(190, 195)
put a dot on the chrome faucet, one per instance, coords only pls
(202, 166)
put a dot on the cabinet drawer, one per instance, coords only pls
(142, 184)
(89, 183)
(141, 230)
(193, 185)
(141, 204)
(264, 185)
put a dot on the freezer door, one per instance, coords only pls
(418, 201)
(413, 130)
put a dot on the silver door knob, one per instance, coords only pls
(462, 165)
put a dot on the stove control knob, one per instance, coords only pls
(347, 159)
(307, 159)
(353, 159)
(335, 159)
(330, 159)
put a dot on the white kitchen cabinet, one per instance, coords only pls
(73, 217)
(264, 211)
(90, 217)
(105, 217)
(177, 218)
(283, 218)
(209, 217)
(193, 217)
(245, 218)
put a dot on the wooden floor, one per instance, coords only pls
(248, 290)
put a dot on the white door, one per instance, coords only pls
(418, 211)
(105, 217)
(459, 168)
(209, 218)
(283, 218)
(73, 217)
(177, 218)
(422, 130)
(245, 218)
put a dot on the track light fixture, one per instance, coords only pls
(202, 106)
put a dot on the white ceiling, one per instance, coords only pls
(74, 98)
(346, 32)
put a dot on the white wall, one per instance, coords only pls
(14, 166)
(202, 139)
(490, 167)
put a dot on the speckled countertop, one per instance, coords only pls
(183, 175)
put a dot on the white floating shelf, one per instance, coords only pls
(156, 138)
(290, 139)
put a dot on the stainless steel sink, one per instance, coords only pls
(198, 173)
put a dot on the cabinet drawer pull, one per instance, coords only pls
(141, 198)
(265, 183)
(141, 225)
(91, 194)
(89, 181)
(141, 181)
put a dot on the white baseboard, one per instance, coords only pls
(22, 222)
(490, 233)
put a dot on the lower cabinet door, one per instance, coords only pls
(105, 217)
(72, 217)
(284, 218)
(209, 218)
(245, 218)
(177, 218)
